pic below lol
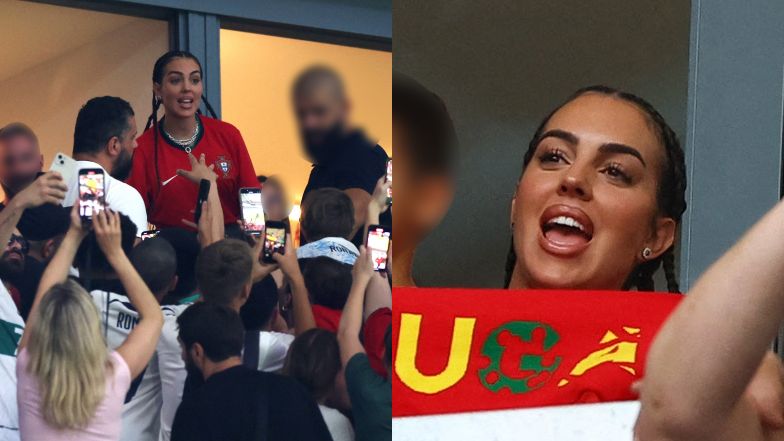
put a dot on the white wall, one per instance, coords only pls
(48, 96)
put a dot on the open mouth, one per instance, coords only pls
(185, 102)
(565, 230)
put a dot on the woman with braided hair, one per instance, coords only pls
(175, 152)
(600, 197)
(597, 207)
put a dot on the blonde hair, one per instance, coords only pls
(68, 356)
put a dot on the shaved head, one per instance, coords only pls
(319, 78)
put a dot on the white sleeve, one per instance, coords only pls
(172, 372)
(129, 202)
(273, 347)
(342, 429)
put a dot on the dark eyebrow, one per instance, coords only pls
(180, 73)
(610, 147)
(614, 147)
(569, 137)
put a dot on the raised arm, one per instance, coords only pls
(57, 269)
(351, 319)
(211, 224)
(47, 188)
(377, 204)
(704, 357)
(359, 199)
(301, 307)
(141, 342)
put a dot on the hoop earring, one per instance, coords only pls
(646, 253)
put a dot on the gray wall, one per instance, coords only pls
(500, 71)
(734, 158)
(366, 17)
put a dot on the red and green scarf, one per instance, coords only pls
(462, 350)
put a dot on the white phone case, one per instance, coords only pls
(66, 166)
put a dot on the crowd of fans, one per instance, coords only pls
(111, 332)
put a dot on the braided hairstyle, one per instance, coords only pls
(157, 78)
(671, 192)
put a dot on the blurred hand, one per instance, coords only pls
(199, 170)
(108, 233)
(260, 269)
(209, 230)
(363, 267)
(378, 201)
(48, 188)
(76, 221)
(288, 260)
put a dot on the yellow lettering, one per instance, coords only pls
(622, 352)
(457, 363)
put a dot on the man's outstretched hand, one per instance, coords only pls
(48, 188)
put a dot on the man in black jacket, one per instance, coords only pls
(342, 156)
(237, 403)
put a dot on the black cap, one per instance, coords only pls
(44, 222)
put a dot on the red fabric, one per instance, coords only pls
(327, 318)
(168, 205)
(524, 348)
(373, 338)
(16, 296)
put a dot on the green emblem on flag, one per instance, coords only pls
(532, 363)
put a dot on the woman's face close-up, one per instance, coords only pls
(181, 87)
(586, 205)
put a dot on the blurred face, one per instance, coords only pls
(181, 88)
(20, 162)
(321, 115)
(274, 202)
(13, 258)
(121, 167)
(421, 199)
(586, 206)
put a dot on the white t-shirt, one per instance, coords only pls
(153, 397)
(273, 347)
(171, 368)
(339, 426)
(11, 328)
(119, 197)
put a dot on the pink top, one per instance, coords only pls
(105, 425)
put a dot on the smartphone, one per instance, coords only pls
(389, 179)
(149, 234)
(91, 193)
(204, 191)
(66, 166)
(378, 240)
(252, 210)
(274, 240)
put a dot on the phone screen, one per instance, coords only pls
(149, 234)
(389, 179)
(274, 242)
(91, 192)
(252, 210)
(378, 243)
